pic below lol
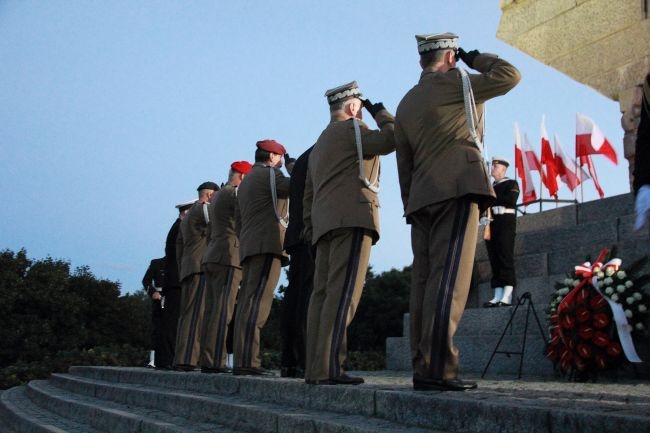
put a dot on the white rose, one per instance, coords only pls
(637, 296)
(576, 282)
(559, 298)
(639, 326)
(568, 281)
(614, 297)
(642, 308)
(620, 288)
(601, 274)
(552, 309)
(621, 274)
(596, 269)
(600, 284)
(609, 272)
(609, 290)
(608, 281)
(629, 283)
(630, 299)
(563, 291)
(628, 314)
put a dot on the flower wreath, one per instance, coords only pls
(593, 315)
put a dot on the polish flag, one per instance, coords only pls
(548, 160)
(586, 160)
(521, 166)
(569, 173)
(531, 157)
(590, 140)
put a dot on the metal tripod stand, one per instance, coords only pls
(520, 301)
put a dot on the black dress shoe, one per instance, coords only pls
(490, 304)
(184, 367)
(342, 379)
(504, 304)
(252, 371)
(217, 370)
(288, 372)
(425, 384)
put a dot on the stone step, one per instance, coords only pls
(540, 289)
(109, 416)
(19, 414)
(234, 411)
(504, 406)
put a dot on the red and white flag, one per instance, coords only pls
(569, 173)
(521, 166)
(531, 157)
(548, 161)
(586, 160)
(591, 141)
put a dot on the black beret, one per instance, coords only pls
(208, 185)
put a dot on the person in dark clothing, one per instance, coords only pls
(171, 295)
(500, 234)
(641, 181)
(293, 318)
(153, 282)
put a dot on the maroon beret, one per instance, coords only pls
(271, 146)
(241, 166)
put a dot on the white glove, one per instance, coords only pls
(484, 221)
(642, 207)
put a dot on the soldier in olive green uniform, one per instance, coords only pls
(263, 205)
(444, 186)
(190, 246)
(341, 216)
(222, 270)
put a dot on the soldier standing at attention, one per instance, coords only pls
(444, 187)
(190, 246)
(501, 232)
(263, 204)
(341, 217)
(222, 270)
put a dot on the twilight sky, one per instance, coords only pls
(111, 112)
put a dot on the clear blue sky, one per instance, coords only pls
(113, 111)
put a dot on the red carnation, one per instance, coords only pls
(582, 314)
(586, 332)
(551, 353)
(601, 362)
(614, 349)
(584, 350)
(568, 322)
(554, 319)
(600, 320)
(600, 339)
(598, 302)
(555, 339)
(580, 364)
(583, 295)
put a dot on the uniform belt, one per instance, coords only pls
(501, 210)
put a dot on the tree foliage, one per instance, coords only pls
(49, 314)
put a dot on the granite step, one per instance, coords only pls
(19, 414)
(109, 416)
(234, 411)
(500, 406)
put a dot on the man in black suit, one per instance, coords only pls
(293, 318)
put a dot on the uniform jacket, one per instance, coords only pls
(261, 232)
(171, 262)
(223, 244)
(293, 235)
(154, 278)
(507, 192)
(192, 240)
(335, 196)
(642, 148)
(436, 158)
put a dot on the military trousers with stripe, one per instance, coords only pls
(260, 275)
(340, 271)
(190, 320)
(221, 287)
(443, 238)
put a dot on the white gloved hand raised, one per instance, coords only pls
(642, 207)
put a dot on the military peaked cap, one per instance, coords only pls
(436, 41)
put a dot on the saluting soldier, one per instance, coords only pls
(444, 187)
(263, 204)
(341, 217)
(190, 246)
(500, 234)
(222, 270)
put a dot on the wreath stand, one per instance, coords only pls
(525, 299)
